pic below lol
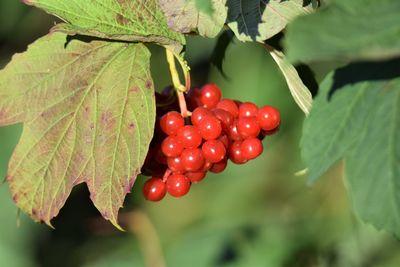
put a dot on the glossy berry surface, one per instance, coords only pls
(248, 127)
(230, 106)
(172, 146)
(268, 118)
(210, 128)
(213, 151)
(176, 165)
(198, 114)
(251, 148)
(248, 109)
(154, 189)
(210, 95)
(236, 154)
(171, 122)
(189, 136)
(178, 185)
(192, 159)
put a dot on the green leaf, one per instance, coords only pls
(189, 15)
(373, 167)
(299, 91)
(258, 20)
(125, 20)
(346, 30)
(88, 112)
(359, 121)
(333, 125)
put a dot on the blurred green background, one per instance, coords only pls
(258, 214)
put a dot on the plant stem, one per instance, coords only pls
(140, 225)
(180, 89)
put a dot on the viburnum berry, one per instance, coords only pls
(171, 122)
(268, 118)
(154, 189)
(210, 127)
(236, 154)
(225, 117)
(248, 127)
(251, 148)
(178, 185)
(230, 106)
(172, 146)
(233, 133)
(176, 165)
(219, 166)
(248, 109)
(213, 150)
(224, 140)
(184, 150)
(190, 136)
(210, 95)
(192, 159)
(198, 114)
(195, 177)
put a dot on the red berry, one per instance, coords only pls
(192, 159)
(210, 127)
(248, 127)
(251, 148)
(224, 139)
(154, 189)
(210, 95)
(233, 133)
(248, 109)
(171, 122)
(176, 165)
(198, 114)
(206, 166)
(193, 98)
(171, 146)
(190, 136)
(268, 118)
(213, 151)
(195, 177)
(178, 185)
(230, 106)
(236, 154)
(219, 166)
(225, 118)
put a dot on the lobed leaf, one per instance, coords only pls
(125, 20)
(359, 121)
(258, 20)
(207, 17)
(346, 30)
(88, 112)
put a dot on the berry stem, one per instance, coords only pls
(180, 88)
(166, 175)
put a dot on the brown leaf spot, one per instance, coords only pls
(149, 84)
(106, 118)
(134, 90)
(91, 126)
(121, 19)
(34, 212)
(131, 125)
(15, 197)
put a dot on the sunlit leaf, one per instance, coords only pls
(88, 112)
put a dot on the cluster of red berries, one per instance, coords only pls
(185, 149)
